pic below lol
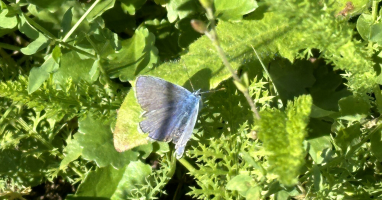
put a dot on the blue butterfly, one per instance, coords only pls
(170, 111)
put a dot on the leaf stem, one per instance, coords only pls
(212, 35)
(187, 165)
(374, 9)
(80, 21)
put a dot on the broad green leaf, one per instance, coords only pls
(96, 140)
(56, 54)
(27, 29)
(72, 151)
(376, 145)
(364, 24)
(52, 21)
(317, 147)
(100, 183)
(118, 21)
(376, 33)
(187, 34)
(7, 22)
(131, 6)
(73, 66)
(291, 80)
(134, 177)
(94, 71)
(66, 23)
(353, 108)
(180, 9)
(166, 37)
(326, 91)
(254, 193)
(136, 54)
(37, 45)
(47, 4)
(126, 134)
(345, 136)
(38, 75)
(233, 10)
(240, 183)
(99, 9)
(318, 112)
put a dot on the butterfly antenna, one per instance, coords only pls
(209, 91)
(189, 79)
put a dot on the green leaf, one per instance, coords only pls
(38, 75)
(233, 10)
(282, 135)
(353, 108)
(99, 9)
(126, 134)
(47, 4)
(100, 183)
(180, 9)
(364, 24)
(133, 179)
(7, 22)
(66, 23)
(317, 146)
(131, 6)
(72, 66)
(27, 29)
(376, 33)
(56, 54)
(240, 183)
(376, 145)
(96, 138)
(136, 54)
(345, 136)
(72, 151)
(37, 45)
(94, 71)
(166, 37)
(291, 80)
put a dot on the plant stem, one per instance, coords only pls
(186, 164)
(374, 10)
(80, 21)
(212, 35)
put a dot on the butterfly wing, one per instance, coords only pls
(164, 105)
(183, 133)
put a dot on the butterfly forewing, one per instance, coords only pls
(168, 108)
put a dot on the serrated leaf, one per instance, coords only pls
(134, 177)
(7, 22)
(96, 138)
(233, 10)
(100, 183)
(136, 54)
(37, 45)
(38, 75)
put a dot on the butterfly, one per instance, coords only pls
(170, 111)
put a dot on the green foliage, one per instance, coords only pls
(68, 106)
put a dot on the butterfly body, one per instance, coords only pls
(170, 111)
